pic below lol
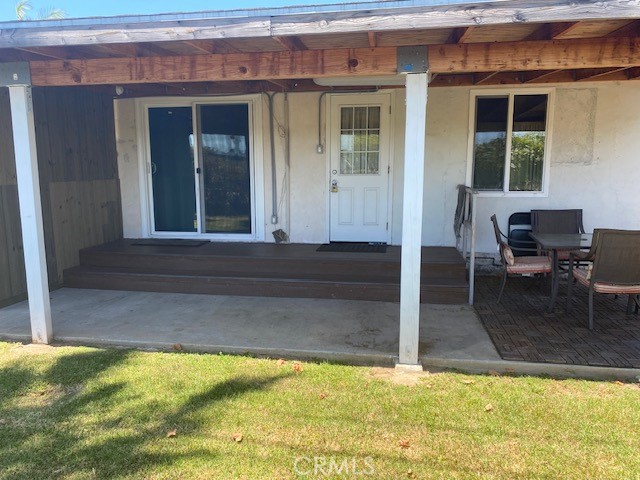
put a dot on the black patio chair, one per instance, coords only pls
(615, 268)
(557, 221)
(522, 265)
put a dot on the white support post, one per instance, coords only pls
(35, 260)
(414, 148)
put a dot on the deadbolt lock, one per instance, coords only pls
(334, 186)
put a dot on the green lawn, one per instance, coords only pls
(76, 413)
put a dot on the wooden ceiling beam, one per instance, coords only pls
(197, 68)
(292, 43)
(460, 58)
(528, 56)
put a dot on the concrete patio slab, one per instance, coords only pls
(352, 331)
(357, 332)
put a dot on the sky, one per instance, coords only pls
(91, 8)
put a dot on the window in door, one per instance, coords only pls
(360, 140)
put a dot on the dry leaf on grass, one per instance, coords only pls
(488, 407)
(280, 362)
(410, 474)
(172, 433)
(237, 437)
(297, 367)
(468, 382)
(323, 396)
(404, 444)
(618, 382)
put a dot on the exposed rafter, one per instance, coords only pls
(480, 78)
(591, 74)
(373, 39)
(535, 77)
(460, 35)
(291, 43)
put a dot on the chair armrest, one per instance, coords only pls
(581, 255)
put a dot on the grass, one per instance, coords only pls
(76, 413)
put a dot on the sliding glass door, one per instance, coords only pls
(172, 169)
(226, 172)
(201, 170)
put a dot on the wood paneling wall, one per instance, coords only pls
(75, 136)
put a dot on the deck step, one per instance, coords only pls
(444, 290)
(309, 267)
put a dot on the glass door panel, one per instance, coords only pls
(226, 171)
(172, 169)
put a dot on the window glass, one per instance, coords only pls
(359, 140)
(527, 142)
(525, 131)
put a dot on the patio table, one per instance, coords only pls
(555, 242)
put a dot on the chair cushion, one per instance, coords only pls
(507, 253)
(524, 265)
(583, 276)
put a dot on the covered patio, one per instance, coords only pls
(188, 60)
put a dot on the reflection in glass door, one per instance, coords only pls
(226, 174)
(172, 169)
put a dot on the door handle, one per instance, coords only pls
(154, 168)
(334, 186)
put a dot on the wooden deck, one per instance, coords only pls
(270, 270)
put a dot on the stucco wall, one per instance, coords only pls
(594, 163)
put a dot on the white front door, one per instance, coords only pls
(360, 167)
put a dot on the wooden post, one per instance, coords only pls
(414, 148)
(35, 260)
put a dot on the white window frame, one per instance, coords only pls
(256, 162)
(546, 166)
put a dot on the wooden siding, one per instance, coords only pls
(78, 181)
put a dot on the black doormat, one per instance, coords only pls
(168, 242)
(353, 247)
